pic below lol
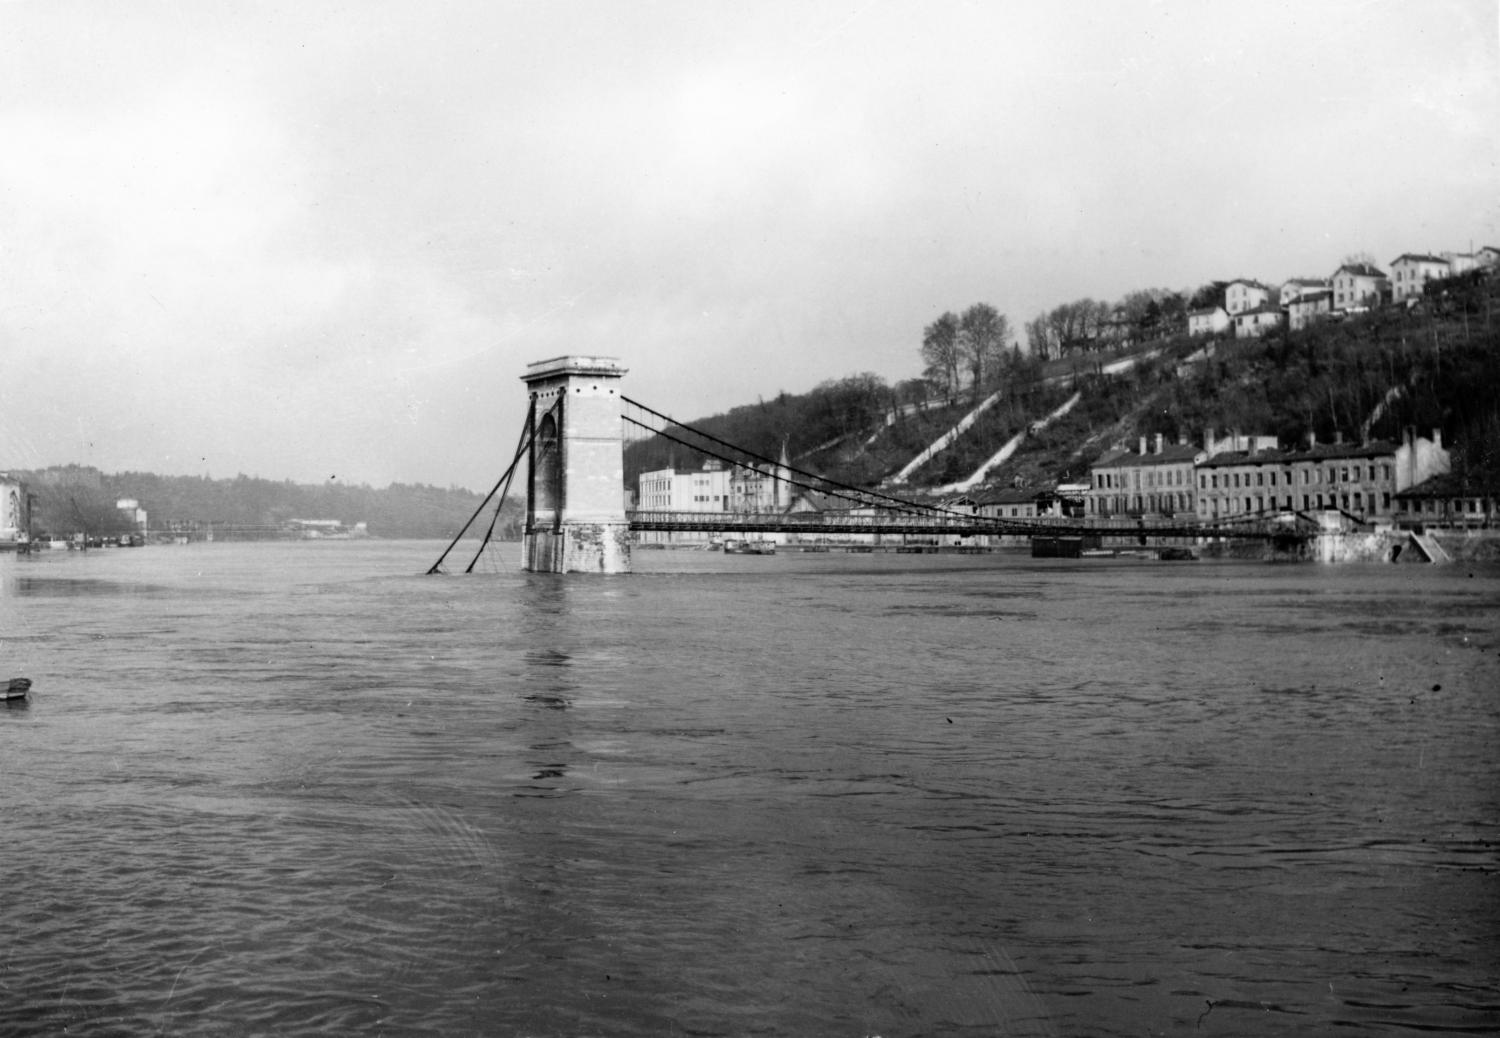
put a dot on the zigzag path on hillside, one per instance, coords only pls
(950, 437)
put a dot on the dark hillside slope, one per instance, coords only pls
(1435, 365)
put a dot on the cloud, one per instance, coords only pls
(279, 239)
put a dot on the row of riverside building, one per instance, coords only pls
(1222, 479)
(1237, 477)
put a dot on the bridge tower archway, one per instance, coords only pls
(575, 492)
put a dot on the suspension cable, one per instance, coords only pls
(509, 475)
(528, 430)
(861, 500)
(865, 495)
(997, 522)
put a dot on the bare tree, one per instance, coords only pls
(940, 352)
(1038, 342)
(983, 336)
(1077, 326)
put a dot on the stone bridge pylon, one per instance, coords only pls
(575, 502)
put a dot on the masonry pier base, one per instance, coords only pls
(578, 547)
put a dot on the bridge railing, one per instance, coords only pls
(952, 524)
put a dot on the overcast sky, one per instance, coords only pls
(314, 240)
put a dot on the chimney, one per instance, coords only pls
(1143, 446)
(1437, 437)
(1158, 444)
(1208, 440)
(1338, 436)
(1312, 439)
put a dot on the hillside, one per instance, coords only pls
(1435, 365)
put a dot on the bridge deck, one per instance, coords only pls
(812, 524)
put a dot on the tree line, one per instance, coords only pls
(972, 350)
(69, 499)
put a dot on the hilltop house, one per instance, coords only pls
(1296, 287)
(1256, 321)
(1411, 271)
(1245, 294)
(1211, 321)
(1303, 310)
(1461, 262)
(1358, 285)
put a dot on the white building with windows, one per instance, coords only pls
(1293, 288)
(1361, 480)
(1208, 321)
(1245, 294)
(1411, 271)
(1303, 310)
(1257, 321)
(1358, 285)
(691, 490)
(1157, 479)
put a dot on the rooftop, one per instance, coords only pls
(1453, 485)
(1171, 454)
(1319, 452)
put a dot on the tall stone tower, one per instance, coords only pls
(575, 495)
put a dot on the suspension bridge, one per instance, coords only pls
(572, 449)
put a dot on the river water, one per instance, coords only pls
(305, 789)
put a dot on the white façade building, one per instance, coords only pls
(15, 513)
(1295, 287)
(1257, 321)
(1359, 285)
(1361, 480)
(1303, 310)
(1245, 294)
(682, 490)
(1411, 271)
(1208, 321)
